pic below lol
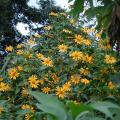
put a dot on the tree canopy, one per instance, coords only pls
(107, 15)
(15, 11)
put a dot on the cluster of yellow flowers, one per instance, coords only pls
(9, 48)
(27, 107)
(111, 85)
(47, 62)
(1, 109)
(84, 71)
(67, 31)
(110, 59)
(62, 48)
(104, 44)
(78, 55)
(33, 81)
(80, 40)
(13, 73)
(66, 65)
(88, 30)
(4, 87)
(49, 27)
(53, 14)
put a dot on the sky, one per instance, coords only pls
(33, 3)
(62, 3)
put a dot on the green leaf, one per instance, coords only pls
(88, 116)
(77, 109)
(50, 117)
(38, 116)
(104, 107)
(22, 112)
(50, 104)
(70, 1)
(103, 36)
(91, 3)
(78, 8)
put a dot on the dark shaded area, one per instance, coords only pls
(14, 11)
(114, 28)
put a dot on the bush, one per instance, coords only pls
(66, 60)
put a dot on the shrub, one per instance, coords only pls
(66, 60)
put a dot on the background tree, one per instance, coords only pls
(107, 14)
(15, 11)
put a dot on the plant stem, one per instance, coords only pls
(5, 65)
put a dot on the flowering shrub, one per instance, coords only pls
(65, 61)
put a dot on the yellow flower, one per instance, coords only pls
(55, 78)
(66, 86)
(31, 42)
(85, 81)
(20, 46)
(67, 31)
(72, 21)
(27, 107)
(4, 87)
(24, 92)
(13, 73)
(40, 56)
(19, 52)
(46, 90)
(86, 30)
(110, 59)
(9, 48)
(76, 55)
(104, 70)
(87, 42)
(27, 116)
(104, 44)
(47, 62)
(88, 59)
(53, 14)
(62, 48)
(75, 79)
(49, 27)
(84, 71)
(78, 39)
(37, 36)
(60, 92)
(1, 109)
(41, 81)
(19, 68)
(98, 35)
(1, 78)
(76, 102)
(63, 14)
(33, 81)
(28, 55)
(111, 85)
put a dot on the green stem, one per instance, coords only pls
(5, 65)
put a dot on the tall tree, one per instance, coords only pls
(107, 13)
(15, 11)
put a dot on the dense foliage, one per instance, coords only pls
(107, 17)
(67, 61)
